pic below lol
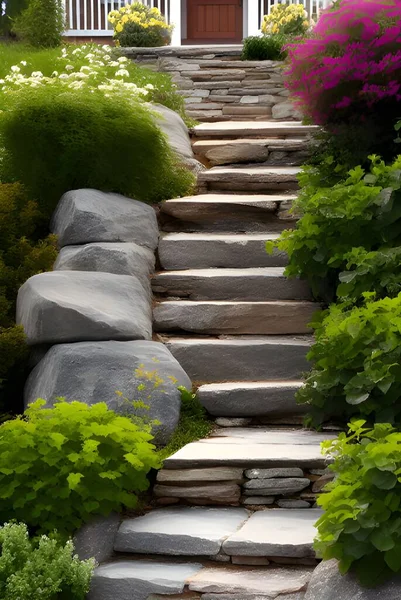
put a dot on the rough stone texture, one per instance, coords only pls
(244, 596)
(256, 284)
(288, 503)
(199, 475)
(206, 250)
(252, 561)
(249, 129)
(327, 584)
(249, 359)
(324, 480)
(219, 317)
(245, 178)
(118, 258)
(86, 215)
(285, 110)
(273, 473)
(135, 580)
(272, 487)
(96, 538)
(258, 500)
(275, 532)
(233, 422)
(74, 306)
(220, 493)
(251, 399)
(94, 371)
(180, 531)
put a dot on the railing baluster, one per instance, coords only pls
(77, 14)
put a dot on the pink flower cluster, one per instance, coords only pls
(351, 64)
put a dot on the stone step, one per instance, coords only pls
(287, 151)
(228, 317)
(253, 448)
(179, 251)
(244, 178)
(273, 399)
(211, 360)
(250, 129)
(256, 284)
(199, 531)
(228, 212)
(138, 579)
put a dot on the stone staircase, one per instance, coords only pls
(236, 511)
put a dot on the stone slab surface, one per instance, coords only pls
(251, 399)
(248, 359)
(251, 128)
(266, 435)
(180, 531)
(225, 317)
(219, 492)
(207, 250)
(249, 175)
(272, 487)
(275, 532)
(199, 475)
(136, 580)
(269, 473)
(74, 306)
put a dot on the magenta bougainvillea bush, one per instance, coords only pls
(349, 69)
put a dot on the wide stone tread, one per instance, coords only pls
(253, 448)
(276, 532)
(179, 251)
(180, 531)
(245, 129)
(272, 399)
(257, 284)
(245, 175)
(230, 317)
(224, 152)
(247, 359)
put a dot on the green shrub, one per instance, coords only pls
(361, 525)
(356, 363)
(138, 25)
(363, 209)
(88, 140)
(12, 10)
(265, 47)
(41, 23)
(59, 466)
(40, 569)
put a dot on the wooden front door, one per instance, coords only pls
(215, 21)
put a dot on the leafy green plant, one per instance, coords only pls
(41, 568)
(193, 425)
(89, 139)
(41, 23)
(361, 525)
(59, 466)
(356, 363)
(363, 209)
(287, 19)
(265, 47)
(139, 25)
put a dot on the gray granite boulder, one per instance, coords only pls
(86, 215)
(74, 306)
(96, 538)
(95, 371)
(119, 258)
(328, 584)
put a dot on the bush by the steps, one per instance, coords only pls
(265, 47)
(41, 24)
(361, 525)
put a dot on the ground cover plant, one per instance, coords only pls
(40, 568)
(361, 525)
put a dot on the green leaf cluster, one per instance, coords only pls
(362, 209)
(361, 525)
(60, 466)
(265, 47)
(40, 568)
(41, 24)
(356, 363)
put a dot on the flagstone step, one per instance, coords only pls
(268, 150)
(251, 448)
(229, 317)
(139, 579)
(179, 251)
(244, 178)
(256, 284)
(201, 531)
(225, 212)
(248, 358)
(246, 129)
(274, 399)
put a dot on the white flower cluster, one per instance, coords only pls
(99, 71)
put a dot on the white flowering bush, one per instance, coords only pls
(40, 569)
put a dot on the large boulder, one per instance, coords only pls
(95, 371)
(328, 584)
(96, 538)
(74, 306)
(119, 258)
(84, 216)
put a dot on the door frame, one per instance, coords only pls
(191, 40)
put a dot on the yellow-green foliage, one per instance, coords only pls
(41, 24)
(60, 466)
(138, 25)
(286, 19)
